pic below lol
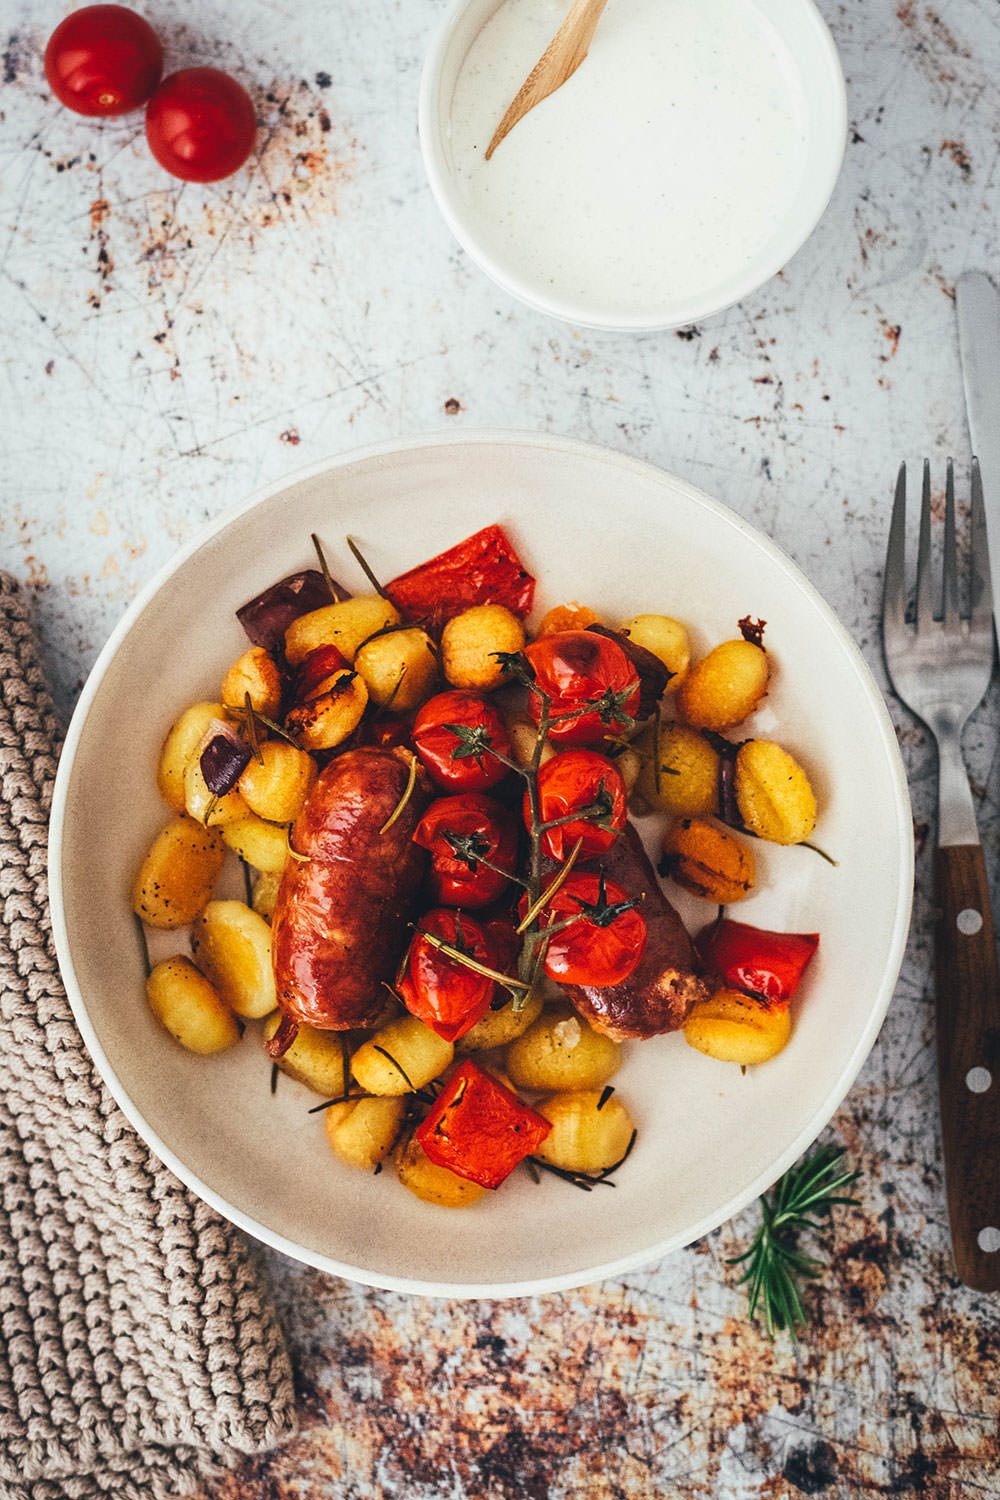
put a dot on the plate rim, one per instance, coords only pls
(566, 1280)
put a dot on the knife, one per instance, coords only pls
(978, 306)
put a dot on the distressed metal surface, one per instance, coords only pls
(169, 348)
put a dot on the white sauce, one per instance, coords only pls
(658, 171)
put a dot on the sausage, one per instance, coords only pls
(340, 920)
(660, 991)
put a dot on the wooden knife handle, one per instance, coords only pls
(968, 1047)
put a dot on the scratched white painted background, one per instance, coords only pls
(168, 348)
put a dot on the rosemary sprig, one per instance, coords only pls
(775, 1267)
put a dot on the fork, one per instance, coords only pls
(941, 668)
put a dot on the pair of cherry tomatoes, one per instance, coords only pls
(598, 939)
(107, 60)
(583, 684)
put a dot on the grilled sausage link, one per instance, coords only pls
(660, 991)
(340, 919)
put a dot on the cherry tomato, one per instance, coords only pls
(460, 833)
(453, 734)
(592, 685)
(200, 124)
(570, 782)
(605, 942)
(440, 991)
(766, 964)
(103, 60)
(387, 731)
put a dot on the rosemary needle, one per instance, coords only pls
(775, 1267)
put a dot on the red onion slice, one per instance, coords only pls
(266, 617)
(224, 757)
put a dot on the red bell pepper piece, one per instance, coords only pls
(478, 1129)
(768, 965)
(316, 668)
(484, 569)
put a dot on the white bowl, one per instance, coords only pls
(625, 537)
(723, 252)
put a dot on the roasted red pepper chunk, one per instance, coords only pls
(766, 964)
(316, 668)
(479, 1129)
(484, 569)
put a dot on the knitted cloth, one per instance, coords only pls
(138, 1349)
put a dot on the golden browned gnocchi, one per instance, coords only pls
(176, 879)
(345, 625)
(724, 687)
(434, 1184)
(316, 1059)
(183, 739)
(253, 675)
(262, 845)
(498, 1027)
(399, 668)
(231, 944)
(679, 772)
(667, 639)
(187, 1005)
(401, 1057)
(708, 860)
(561, 1051)
(470, 641)
(277, 781)
(363, 1131)
(735, 1028)
(590, 1130)
(331, 713)
(773, 793)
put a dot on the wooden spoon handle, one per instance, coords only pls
(559, 61)
(968, 1046)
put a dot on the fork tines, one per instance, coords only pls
(895, 618)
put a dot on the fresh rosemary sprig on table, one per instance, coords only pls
(775, 1266)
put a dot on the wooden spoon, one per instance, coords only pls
(559, 61)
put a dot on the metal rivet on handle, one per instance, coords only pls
(988, 1239)
(978, 1080)
(969, 921)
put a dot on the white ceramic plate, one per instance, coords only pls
(624, 537)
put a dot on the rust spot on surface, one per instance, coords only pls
(290, 436)
(891, 332)
(958, 154)
(452, 406)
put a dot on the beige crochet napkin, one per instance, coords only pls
(139, 1351)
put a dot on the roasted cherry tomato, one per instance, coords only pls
(605, 940)
(479, 1129)
(484, 569)
(461, 832)
(443, 993)
(103, 60)
(579, 781)
(387, 731)
(592, 686)
(200, 124)
(453, 734)
(766, 964)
